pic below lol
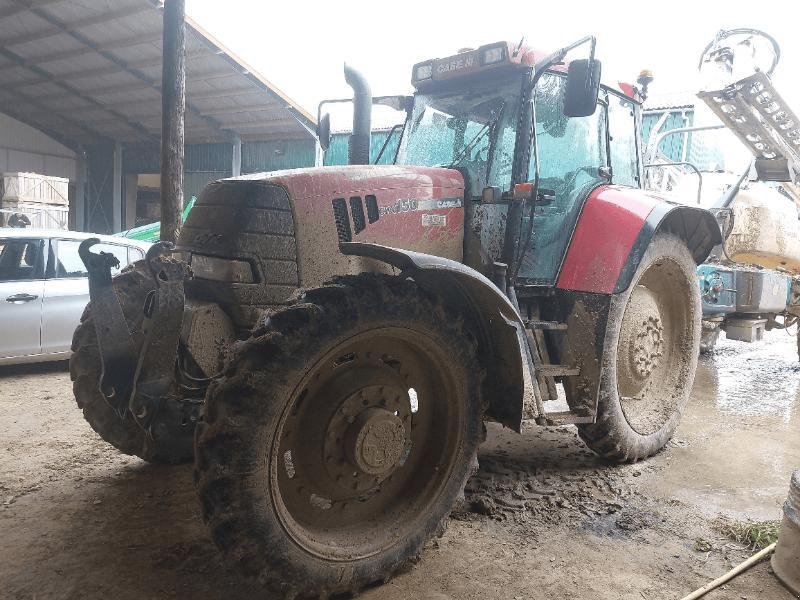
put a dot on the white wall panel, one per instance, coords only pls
(23, 148)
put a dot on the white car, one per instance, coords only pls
(44, 289)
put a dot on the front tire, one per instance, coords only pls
(650, 355)
(340, 437)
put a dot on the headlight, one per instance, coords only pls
(493, 55)
(221, 269)
(423, 72)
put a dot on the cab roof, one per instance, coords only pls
(491, 58)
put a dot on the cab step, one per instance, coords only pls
(557, 371)
(566, 417)
(545, 325)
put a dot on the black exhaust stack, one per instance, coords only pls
(358, 147)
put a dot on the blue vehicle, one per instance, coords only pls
(751, 282)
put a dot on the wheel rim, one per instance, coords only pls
(366, 444)
(653, 347)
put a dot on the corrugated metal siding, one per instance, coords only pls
(702, 147)
(337, 152)
(209, 157)
(272, 156)
(193, 183)
(672, 146)
(209, 162)
(141, 158)
(200, 158)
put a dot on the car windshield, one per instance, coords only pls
(472, 130)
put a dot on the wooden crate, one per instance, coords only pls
(33, 188)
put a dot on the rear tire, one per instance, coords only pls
(650, 355)
(125, 435)
(318, 471)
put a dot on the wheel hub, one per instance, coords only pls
(375, 441)
(368, 437)
(641, 343)
(648, 346)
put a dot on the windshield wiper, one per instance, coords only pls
(478, 137)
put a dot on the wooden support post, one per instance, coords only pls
(173, 106)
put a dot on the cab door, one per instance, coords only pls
(21, 294)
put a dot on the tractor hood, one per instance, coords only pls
(415, 208)
(287, 225)
(362, 179)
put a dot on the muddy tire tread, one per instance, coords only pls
(279, 348)
(611, 436)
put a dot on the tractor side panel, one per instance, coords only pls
(413, 208)
(604, 238)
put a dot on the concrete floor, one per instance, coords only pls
(78, 520)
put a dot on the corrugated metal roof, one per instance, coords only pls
(669, 100)
(87, 71)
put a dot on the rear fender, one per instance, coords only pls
(614, 230)
(502, 343)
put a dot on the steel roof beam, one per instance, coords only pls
(233, 110)
(77, 52)
(121, 64)
(111, 70)
(32, 101)
(71, 89)
(22, 7)
(130, 87)
(83, 23)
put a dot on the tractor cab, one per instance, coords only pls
(466, 115)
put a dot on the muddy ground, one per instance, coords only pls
(550, 521)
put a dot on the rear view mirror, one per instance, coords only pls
(324, 131)
(583, 87)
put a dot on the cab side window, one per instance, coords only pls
(21, 260)
(68, 262)
(622, 133)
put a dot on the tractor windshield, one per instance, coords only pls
(472, 130)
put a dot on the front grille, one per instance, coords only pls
(357, 208)
(247, 221)
(342, 220)
(373, 214)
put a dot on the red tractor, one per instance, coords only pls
(328, 342)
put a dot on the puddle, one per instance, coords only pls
(738, 441)
(762, 378)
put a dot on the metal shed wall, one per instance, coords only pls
(701, 148)
(672, 146)
(337, 152)
(24, 148)
(216, 158)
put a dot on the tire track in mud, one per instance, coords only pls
(548, 476)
